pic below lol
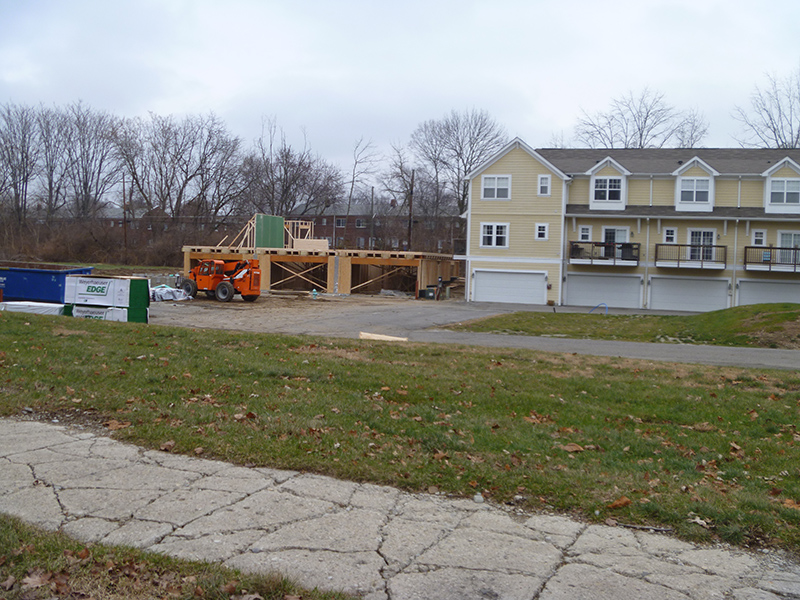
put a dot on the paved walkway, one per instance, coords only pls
(368, 540)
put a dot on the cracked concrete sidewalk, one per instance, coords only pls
(367, 540)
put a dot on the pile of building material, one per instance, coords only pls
(56, 289)
(108, 298)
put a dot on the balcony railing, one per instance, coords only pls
(623, 254)
(691, 256)
(783, 260)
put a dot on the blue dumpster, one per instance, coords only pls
(36, 282)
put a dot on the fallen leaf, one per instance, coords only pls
(36, 579)
(199, 450)
(168, 446)
(704, 426)
(620, 502)
(8, 583)
(611, 522)
(115, 425)
(699, 521)
(228, 588)
(572, 448)
(789, 503)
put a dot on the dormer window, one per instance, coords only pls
(694, 186)
(694, 189)
(608, 181)
(608, 189)
(782, 187)
(784, 191)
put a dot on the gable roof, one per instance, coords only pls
(512, 145)
(665, 161)
(786, 162)
(608, 161)
(696, 162)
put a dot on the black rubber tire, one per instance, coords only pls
(190, 287)
(211, 294)
(250, 298)
(225, 291)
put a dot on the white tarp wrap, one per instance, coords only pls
(39, 308)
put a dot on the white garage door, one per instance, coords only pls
(509, 286)
(761, 292)
(688, 293)
(617, 291)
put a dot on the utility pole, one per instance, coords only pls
(410, 210)
(372, 219)
(124, 222)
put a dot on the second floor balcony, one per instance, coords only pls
(624, 254)
(782, 260)
(691, 256)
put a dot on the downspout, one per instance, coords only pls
(468, 273)
(735, 277)
(646, 284)
(561, 276)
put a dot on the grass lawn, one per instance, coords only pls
(762, 325)
(710, 452)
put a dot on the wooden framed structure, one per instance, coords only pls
(335, 271)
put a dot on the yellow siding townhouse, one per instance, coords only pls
(695, 229)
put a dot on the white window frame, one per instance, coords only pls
(542, 232)
(361, 223)
(627, 231)
(784, 182)
(788, 256)
(490, 230)
(608, 204)
(706, 255)
(340, 222)
(544, 185)
(584, 233)
(490, 183)
(693, 204)
(759, 237)
(670, 235)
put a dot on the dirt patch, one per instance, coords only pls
(786, 336)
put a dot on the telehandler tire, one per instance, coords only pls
(250, 298)
(225, 291)
(189, 286)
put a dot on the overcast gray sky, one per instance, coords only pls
(346, 69)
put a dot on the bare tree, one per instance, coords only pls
(188, 167)
(773, 120)
(455, 145)
(285, 181)
(93, 166)
(364, 160)
(19, 153)
(55, 137)
(641, 121)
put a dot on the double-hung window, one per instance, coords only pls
(496, 187)
(542, 231)
(608, 189)
(544, 185)
(494, 235)
(785, 191)
(694, 189)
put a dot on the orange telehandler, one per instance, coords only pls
(223, 279)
